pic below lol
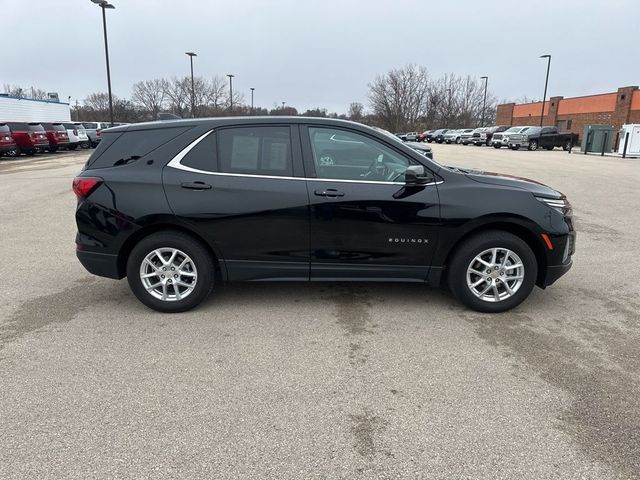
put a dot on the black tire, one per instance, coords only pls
(567, 146)
(13, 153)
(458, 140)
(72, 146)
(495, 145)
(30, 152)
(467, 251)
(515, 147)
(52, 149)
(488, 143)
(533, 145)
(194, 249)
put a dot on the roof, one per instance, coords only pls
(214, 122)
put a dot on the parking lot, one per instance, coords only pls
(321, 380)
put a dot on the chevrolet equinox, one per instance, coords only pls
(180, 205)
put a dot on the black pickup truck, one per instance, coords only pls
(542, 137)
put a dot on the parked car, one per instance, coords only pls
(57, 136)
(401, 136)
(77, 136)
(422, 137)
(544, 137)
(452, 136)
(93, 131)
(411, 137)
(484, 135)
(465, 136)
(437, 135)
(227, 199)
(29, 137)
(422, 148)
(501, 139)
(8, 145)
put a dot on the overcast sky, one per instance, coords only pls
(313, 53)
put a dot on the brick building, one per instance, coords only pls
(572, 114)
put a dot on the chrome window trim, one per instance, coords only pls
(176, 163)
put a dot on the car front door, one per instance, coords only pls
(243, 189)
(365, 222)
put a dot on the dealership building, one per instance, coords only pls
(572, 114)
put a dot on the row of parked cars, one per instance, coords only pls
(37, 137)
(498, 136)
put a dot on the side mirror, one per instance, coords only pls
(416, 175)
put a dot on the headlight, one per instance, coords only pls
(560, 205)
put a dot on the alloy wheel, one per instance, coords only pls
(168, 274)
(495, 274)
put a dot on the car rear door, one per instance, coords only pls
(242, 188)
(365, 223)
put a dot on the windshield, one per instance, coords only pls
(36, 127)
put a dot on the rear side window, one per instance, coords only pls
(203, 155)
(255, 150)
(124, 146)
(4, 129)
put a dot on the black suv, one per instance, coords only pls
(176, 206)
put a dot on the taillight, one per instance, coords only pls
(98, 132)
(83, 186)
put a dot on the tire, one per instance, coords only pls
(488, 143)
(31, 152)
(53, 149)
(567, 146)
(497, 146)
(201, 263)
(463, 260)
(13, 153)
(72, 146)
(458, 140)
(515, 147)
(533, 145)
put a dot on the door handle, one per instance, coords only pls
(196, 185)
(329, 192)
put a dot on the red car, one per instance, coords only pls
(57, 136)
(30, 137)
(7, 144)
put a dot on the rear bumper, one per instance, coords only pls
(101, 264)
(7, 148)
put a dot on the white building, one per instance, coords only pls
(14, 109)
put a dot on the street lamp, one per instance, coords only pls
(193, 88)
(283, 104)
(252, 90)
(104, 5)
(484, 102)
(230, 92)
(544, 97)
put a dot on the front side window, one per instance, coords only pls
(344, 155)
(255, 151)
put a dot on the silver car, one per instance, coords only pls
(502, 139)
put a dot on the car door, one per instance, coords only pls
(243, 189)
(547, 137)
(365, 223)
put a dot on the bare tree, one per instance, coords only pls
(150, 96)
(356, 112)
(399, 97)
(179, 95)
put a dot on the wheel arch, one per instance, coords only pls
(510, 226)
(143, 232)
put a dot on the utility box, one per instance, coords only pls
(595, 137)
(633, 140)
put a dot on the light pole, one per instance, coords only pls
(484, 102)
(104, 5)
(230, 92)
(283, 104)
(252, 90)
(546, 82)
(193, 88)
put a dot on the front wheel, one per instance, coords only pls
(493, 271)
(567, 146)
(170, 272)
(533, 145)
(14, 152)
(496, 145)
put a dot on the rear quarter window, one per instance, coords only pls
(203, 156)
(116, 146)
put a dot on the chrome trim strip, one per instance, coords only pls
(175, 163)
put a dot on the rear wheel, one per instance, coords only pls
(493, 271)
(496, 145)
(170, 272)
(567, 146)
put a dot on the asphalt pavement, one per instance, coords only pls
(326, 381)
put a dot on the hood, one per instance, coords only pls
(492, 178)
